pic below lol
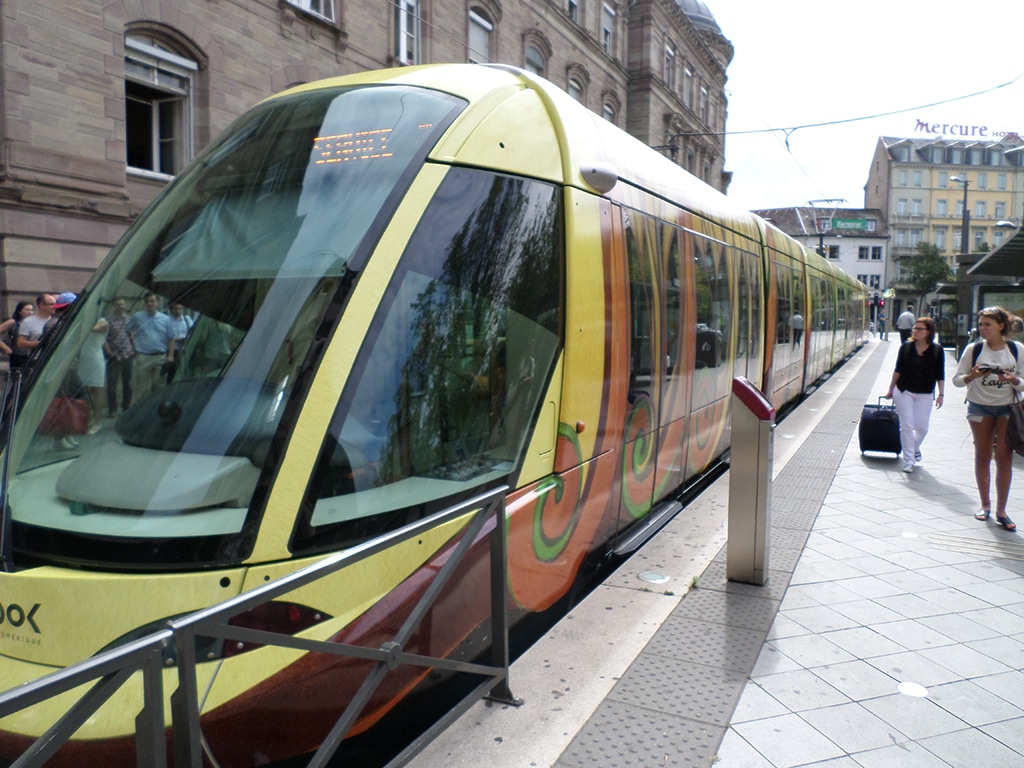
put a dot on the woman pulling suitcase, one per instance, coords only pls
(920, 366)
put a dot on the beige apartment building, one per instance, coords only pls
(921, 185)
(102, 102)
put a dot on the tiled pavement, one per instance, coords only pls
(890, 632)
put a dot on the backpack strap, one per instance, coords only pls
(978, 345)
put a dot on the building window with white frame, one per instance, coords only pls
(876, 282)
(863, 278)
(1000, 209)
(158, 106)
(608, 29)
(407, 32)
(979, 239)
(322, 8)
(876, 253)
(608, 112)
(980, 209)
(574, 11)
(982, 181)
(940, 238)
(1001, 182)
(915, 206)
(687, 87)
(917, 178)
(943, 179)
(941, 208)
(670, 66)
(481, 29)
(863, 253)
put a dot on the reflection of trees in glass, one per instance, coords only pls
(448, 410)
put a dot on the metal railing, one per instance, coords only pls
(110, 670)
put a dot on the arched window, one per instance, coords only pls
(481, 30)
(576, 82)
(534, 60)
(610, 106)
(158, 88)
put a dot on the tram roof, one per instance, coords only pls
(572, 138)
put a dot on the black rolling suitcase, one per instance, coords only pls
(879, 428)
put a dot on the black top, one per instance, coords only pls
(919, 373)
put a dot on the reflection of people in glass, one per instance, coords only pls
(119, 352)
(181, 325)
(154, 346)
(796, 325)
(92, 370)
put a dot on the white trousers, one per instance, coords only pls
(914, 410)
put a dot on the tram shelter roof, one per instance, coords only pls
(1007, 260)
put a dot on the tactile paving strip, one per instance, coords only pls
(672, 706)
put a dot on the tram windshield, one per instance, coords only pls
(152, 409)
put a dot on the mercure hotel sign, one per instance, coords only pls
(963, 130)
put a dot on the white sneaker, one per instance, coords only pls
(94, 428)
(917, 457)
(68, 444)
(908, 468)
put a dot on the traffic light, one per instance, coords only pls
(881, 302)
(877, 297)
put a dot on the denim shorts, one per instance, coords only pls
(976, 411)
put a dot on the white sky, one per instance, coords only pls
(799, 62)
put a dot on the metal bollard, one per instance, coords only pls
(750, 475)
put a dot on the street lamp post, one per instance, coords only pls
(964, 303)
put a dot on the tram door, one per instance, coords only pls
(653, 451)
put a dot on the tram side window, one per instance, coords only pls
(784, 304)
(714, 308)
(640, 240)
(445, 390)
(798, 302)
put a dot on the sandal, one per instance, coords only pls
(1006, 522)
(982, 514)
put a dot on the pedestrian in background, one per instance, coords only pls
(920, 366)
(988, 368)
(881, 327)
(905, 323)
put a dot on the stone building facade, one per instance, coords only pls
(103, 101)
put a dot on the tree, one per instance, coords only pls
(927, 269)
